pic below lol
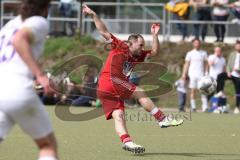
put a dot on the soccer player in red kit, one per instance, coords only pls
(113, 85)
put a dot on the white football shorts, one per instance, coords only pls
(29, 113)
(193, 82)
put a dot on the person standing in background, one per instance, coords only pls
(235, 9)
(67, 11)
(195, 67)
(220, 13)
(217, 63)
(233, 73)
(181, 86)
(202, 13)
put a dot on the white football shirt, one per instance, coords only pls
(217, 67)
(196, 59)
(15, 74)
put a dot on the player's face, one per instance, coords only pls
(196, 44)
(218, 51)
(137, 47)
(237, 47)
(45, 12)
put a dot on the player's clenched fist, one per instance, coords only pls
(87, 10)
(155, 28)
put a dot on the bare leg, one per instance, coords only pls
(149, 106)
(121, 129)
(192, 99)
(120, 123)
(145, 101)
(47, 147)
(204, 102)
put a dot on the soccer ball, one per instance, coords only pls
(207, 85)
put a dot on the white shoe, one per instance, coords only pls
(204, 109)
(134, 148)
(236, 110)
(170, 122)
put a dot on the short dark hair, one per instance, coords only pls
(134, 37)
(196, 39)
(238, 41)
(30, 8)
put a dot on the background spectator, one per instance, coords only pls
(72, 93)
(202, 13)
(85, 94)
(220, 13)
(180, 8)
(67, 10)
(235, 9)
(233, 73)
(217, 63)
(182, 93)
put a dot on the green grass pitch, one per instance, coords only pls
(204, 137)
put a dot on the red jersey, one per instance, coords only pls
(119, 62)
(113, 85)
(118, 66)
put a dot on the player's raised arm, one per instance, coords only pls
(155, 44)
(101, 27)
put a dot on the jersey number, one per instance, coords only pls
(7, 51)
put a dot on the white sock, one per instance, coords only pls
(47, 158)
(193, 104)
(154, 111)
(129, 143)
(204, 102)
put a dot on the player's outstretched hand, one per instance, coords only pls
(155, 28)
(87, 10)
(45, 82)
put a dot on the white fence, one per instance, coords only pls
(124, 18)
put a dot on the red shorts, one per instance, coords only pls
(112, 95)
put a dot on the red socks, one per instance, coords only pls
(158, 115)
(125, 138)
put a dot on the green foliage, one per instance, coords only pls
(60, 50)
(86, 40)
(58, 47)
(78, 74)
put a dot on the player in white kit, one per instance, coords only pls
(21, 43)
(195, 67)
